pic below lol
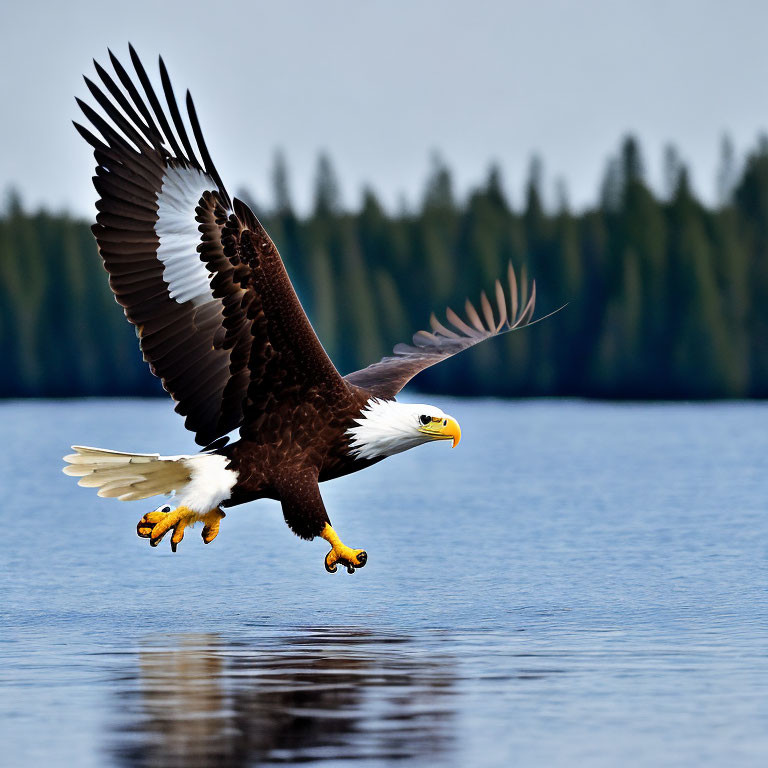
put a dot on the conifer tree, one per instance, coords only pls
(751, 202)
(666, 297)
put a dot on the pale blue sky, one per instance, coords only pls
(379, 85)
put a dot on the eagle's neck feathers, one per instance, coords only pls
(386, 427)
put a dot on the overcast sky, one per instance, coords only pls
(380, 85)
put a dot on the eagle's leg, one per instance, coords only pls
(340, 553)
(305, 514)
(154, 525)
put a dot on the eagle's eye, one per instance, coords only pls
(166, 509)
(424, 419)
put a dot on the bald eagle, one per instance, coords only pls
(219, 323)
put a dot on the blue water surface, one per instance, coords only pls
(576, 584)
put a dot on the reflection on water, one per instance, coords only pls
(199, 700)
(612, 613)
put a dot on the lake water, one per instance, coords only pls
(576, 585)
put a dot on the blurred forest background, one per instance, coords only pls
(667, 297)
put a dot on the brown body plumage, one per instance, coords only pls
(220, 323)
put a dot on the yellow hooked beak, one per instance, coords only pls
(443, 428)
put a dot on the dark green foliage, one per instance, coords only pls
(666, 298)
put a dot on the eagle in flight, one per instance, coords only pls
(220, 324)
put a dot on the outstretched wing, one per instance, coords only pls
(194, 271)
(387, 377)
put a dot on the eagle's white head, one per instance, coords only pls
(386, 427)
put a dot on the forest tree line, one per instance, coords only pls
(667, 297)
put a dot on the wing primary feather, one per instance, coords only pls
(501, 302)
(120, 122)
(512, 292)
(488, 312)
(474, 318)
(175, 114)
(438, 327)
(126, 105)
(527, 313)
(154, 102)
(210, 168)
(524, 286)
(457, 322)
(90, 138)
(104, 128)
(138, 101)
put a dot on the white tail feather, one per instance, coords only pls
(201, 481)
(128, 476)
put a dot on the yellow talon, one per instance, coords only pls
(154, 525)
(340, 553)
(211, 522)
(178, 533)
(148, 522)
(170, 520)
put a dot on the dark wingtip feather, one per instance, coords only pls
(92, 87)
(99, 123)
(173, 106)
(208, 165)
(90, 138)
(154, 102)
(146, 129)
(153, 131)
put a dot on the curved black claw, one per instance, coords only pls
(362, 559)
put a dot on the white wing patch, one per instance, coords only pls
(176, 227)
